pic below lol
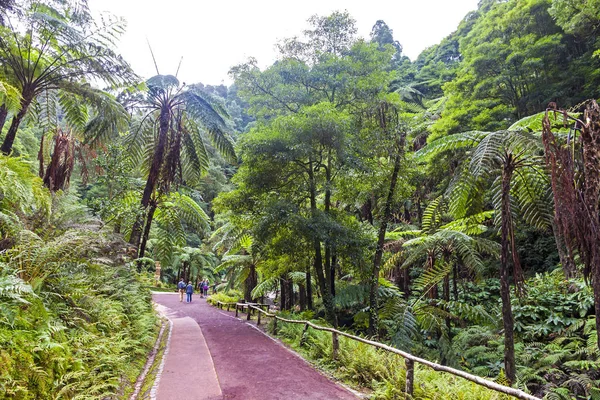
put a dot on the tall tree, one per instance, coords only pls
(507, 159)
(171, 121)
(45, 48)
(393, 132)
(384, 36)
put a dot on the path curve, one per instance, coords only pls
(249, 364)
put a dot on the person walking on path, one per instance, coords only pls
(200, 286)
(189, 290)
(205, 288)
(181, 287)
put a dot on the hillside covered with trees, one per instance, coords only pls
(448, 206)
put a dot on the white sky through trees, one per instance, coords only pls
(212, 36)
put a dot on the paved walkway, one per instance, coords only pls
(249, 365)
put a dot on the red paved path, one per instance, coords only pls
(250, 365)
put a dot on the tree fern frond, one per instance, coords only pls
(432, 214)
(451, 142)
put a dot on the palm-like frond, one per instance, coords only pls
(10, 97)
(265, 287)
(432, 214)
(451, 142)
(200, 109)
(20, 190)
(107, 119)
(471, 224)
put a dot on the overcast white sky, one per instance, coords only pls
(214, 35)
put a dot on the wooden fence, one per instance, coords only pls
(409, 359)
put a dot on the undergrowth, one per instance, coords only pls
(75, 321)
(380, 372)
(229, 296)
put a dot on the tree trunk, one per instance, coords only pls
(14, 126)
(183, 272)
(318, 261)
(283, 294)
(250, 283)
(329, 272)
(406, 283)
(507, 315)
(590, 136)
(41, 158)
(309, 302)
(153, 175)
(332, 273)
(302, 296)
(455, 281)
(150, 216)
(446, 286)
(290, 294)
(373, 294)
(329, 254)
(3, 115)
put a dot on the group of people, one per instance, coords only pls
(189, 289)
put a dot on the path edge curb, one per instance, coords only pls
(151, 360)
(154, 389)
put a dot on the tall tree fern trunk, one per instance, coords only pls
(507, 315)
(318, 260)
(250, 283)
(147, 227)
(590, 136)
(3, 115)
(153, 175)
(329, 263)
(302, 296)
(309, 302)
(16, 121)
(373, 294)
(283, 293)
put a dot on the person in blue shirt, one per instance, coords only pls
(189, 290)
(181, 288)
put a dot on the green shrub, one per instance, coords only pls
(229, 296)
(79, 335)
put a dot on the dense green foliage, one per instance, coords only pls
(74, 318)
(416, 202)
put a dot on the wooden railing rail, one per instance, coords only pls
(408, 358)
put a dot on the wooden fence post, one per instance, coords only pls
(275, 326)
(228, 307)
(410, 378)
(249, 313)
(236, 310)
(336, 345)
(258, 318)
(303, 338)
